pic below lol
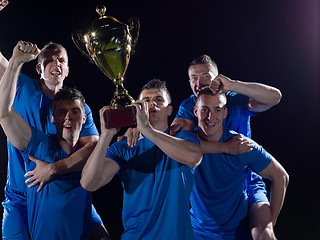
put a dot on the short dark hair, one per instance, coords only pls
(207, 91)
(49, 46)
(203, 59)
(68, 94)
(159, 84)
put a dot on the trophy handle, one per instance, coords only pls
(78, 40)
(134, 26)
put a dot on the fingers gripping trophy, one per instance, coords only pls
(109, 44)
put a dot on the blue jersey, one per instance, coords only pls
(238, 118)
(34, 107)
(156, 190)
(62, 209)
(219, 202)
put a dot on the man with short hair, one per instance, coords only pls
(219, 203)
(245, 99)
(32, 101)
(62, 210)
(157, 174)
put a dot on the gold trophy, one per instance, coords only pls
(109, 44)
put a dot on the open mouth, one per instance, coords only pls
(55, 73)
(68, 126)
(153, 110)
(211, 124)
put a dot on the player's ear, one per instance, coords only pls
(84, 118)
(38, 68)
(225, 112)
(195, 111)
(52, 120)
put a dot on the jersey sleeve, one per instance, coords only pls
(118, 152)
(88, 128)
(186, 110)
(257, 159)
(38, 146)
(239, 102)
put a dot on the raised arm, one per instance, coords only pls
(182, 151)
(3, 61)
(99, 170)
(262, 97)
(3, 4)
(3, 65)
(279, 182)
(15, 128)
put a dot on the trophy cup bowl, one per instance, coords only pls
(109, 44)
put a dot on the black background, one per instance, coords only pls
(272, 42)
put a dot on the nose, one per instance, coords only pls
(200, 82)
(56, 62)
(210, 115)
(68, 116)
(152, 103)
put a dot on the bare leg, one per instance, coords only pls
(260, 221)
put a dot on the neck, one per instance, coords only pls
(160, 126)
(212, 138)
(49, 90)
(68, 146)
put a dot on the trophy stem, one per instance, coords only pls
(121, 97)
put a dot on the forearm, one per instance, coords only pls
(182, 151)
(75, 162)
(3, 65)
(208, 147)
(93, 174)
(278, 192)
(260, 92)
(280, 180)
(15, 128)
(8, 86)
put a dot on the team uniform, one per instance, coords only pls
(238, 119)
(156, 190)
(34, 107)
(62, 209)
(219, 203)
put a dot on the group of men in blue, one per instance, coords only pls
(162, 175)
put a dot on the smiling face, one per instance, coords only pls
(211, 111)
(201, 75)
(53, 66)
(158, 106)
(68, 116)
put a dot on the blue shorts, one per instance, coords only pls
(15, 218)
(256, 189)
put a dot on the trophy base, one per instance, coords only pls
(122, 117)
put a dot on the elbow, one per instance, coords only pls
(86, 185)
(196, 158)
(286, 179)
(196, 162)
(277, 96)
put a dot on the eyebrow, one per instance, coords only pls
(158, 96)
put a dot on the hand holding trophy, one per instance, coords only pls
(109, 44)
